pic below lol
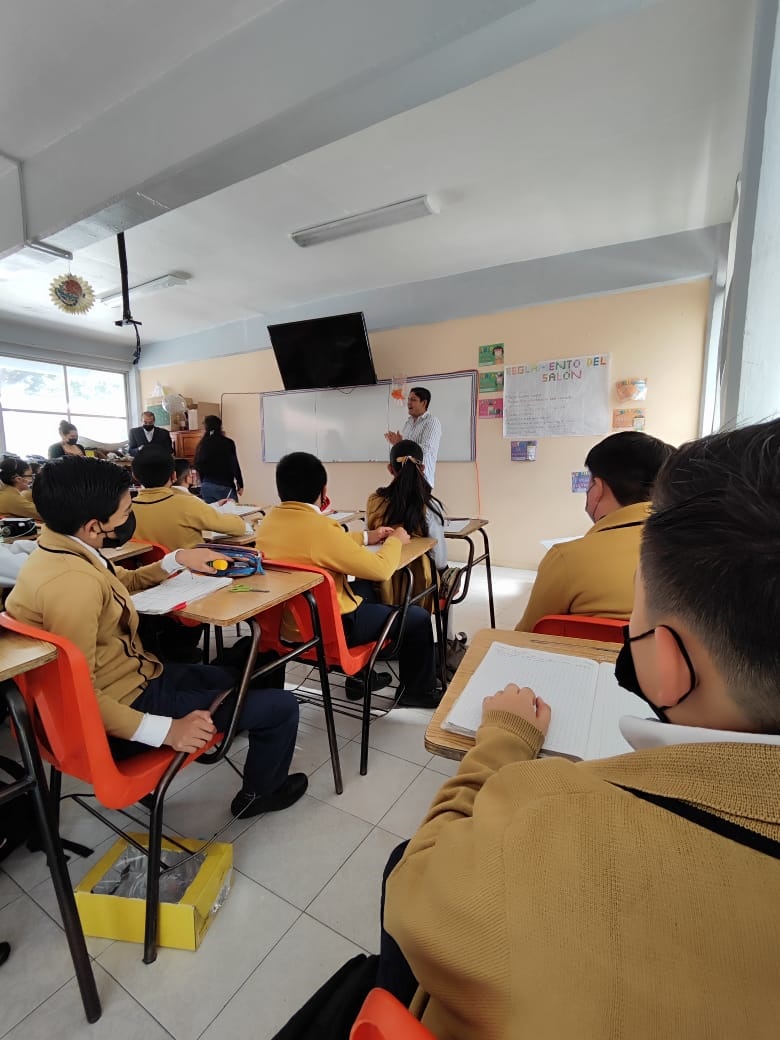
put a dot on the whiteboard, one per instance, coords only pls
(349, 425)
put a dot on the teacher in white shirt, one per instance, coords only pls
(422, 428)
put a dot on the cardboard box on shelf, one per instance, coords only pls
(182, 925)
(197, 413)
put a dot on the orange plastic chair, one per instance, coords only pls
(382, 1017)
(338, 656)
(580, 626)
(66, 721)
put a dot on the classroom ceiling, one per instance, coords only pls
(622, 126)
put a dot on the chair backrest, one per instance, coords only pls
(68, 726)
(382, 1017)
(579, 626)
(349, 659)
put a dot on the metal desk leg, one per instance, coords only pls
(327, 704)
(53, 849)
(489, 573)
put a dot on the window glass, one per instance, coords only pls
(32, 384)
(31, 433)
(91, 392)
(108, 431)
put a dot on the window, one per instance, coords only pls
(36, 395)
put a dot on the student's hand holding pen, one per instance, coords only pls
(201, 560)
(522, 701)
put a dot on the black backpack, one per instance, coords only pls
(18, 822)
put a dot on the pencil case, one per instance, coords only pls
(243, 560)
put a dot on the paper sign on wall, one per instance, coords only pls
(628, 419)
(523, 451)
(491, 407)
(580, 480)
(491, 382)
(564, 397)
(491, 354)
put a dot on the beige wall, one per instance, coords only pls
(657, 333)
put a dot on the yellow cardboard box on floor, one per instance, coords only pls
(182, 925)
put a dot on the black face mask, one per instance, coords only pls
(625, 670)
(148, 425)
(119, 535)
(72, 440)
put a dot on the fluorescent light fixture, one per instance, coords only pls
(166, 281)
(383, 216)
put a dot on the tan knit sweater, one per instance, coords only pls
(538, 900)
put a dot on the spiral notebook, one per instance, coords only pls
(586, 701)
(177, 592)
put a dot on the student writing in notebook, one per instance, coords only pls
(636, 896)
(68, 587)
(594, 575)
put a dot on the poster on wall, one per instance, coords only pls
(564, 397)
(580, 481)
(628, 419)
(491, 354)
(523, 451)
(491, 408)
(491, 382)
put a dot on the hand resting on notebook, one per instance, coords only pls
(522, 701)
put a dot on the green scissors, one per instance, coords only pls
(244, 588)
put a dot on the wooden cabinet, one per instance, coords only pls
(185, 442)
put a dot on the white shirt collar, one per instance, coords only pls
(643, 734)
(91, 548)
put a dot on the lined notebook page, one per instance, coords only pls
(183, 588)
(612, 702)
(568, 684)
(234, 509)
(455, 526)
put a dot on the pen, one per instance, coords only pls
(179, 606)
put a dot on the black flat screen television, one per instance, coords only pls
(323, 352)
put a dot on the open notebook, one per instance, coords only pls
(234, 509)
(586, 701)
(177, 592)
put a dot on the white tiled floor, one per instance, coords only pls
(305, 896)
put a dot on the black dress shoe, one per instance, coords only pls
(417, 698)
(246, 804)
(355, 686)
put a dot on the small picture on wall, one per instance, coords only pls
(523, 451)
(631, 389)
(580, 481)
(491, 354)
(628, 419)
(491, 382)
(491, 408)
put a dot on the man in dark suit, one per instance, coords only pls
(140, 436)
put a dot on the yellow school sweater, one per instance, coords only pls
(538, 900)
(593, 575)
(178, 521)
(14, 503)
(64, 588)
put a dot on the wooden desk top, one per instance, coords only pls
(21, 654)
(474, 524)
(414, 549)
(224, 607)
(454, 745)
(125, 552)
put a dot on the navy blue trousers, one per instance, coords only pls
(416, 664)
(211, 492)
(269, 716)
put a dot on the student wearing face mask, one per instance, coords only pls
(636, 896)
(148, 433)
(67, 586)
(15, 482)
(594, 575)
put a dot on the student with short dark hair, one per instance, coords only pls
(68, 587)
(594, 575)
(182, 469)
(171, 519)
(297, 531)
(16, 479)
(408, 501)
(636, 896)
